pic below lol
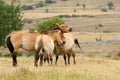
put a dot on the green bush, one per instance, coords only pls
(87, 16)
(40, 4)
(107, 31)
(110, 5)
(107, 55)
(10, 19)
(49, 1)
(50, 23)
(27, 7)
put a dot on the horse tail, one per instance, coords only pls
(9, 44)
(77, 43)
(40, 45)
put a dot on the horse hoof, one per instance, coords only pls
(14, 65)
(36, 65)
(69, 63)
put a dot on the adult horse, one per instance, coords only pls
(69, 45)
(44, 45)
(26, 40)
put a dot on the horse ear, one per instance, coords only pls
(59, 31)
(58, 24)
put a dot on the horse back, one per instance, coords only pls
(69, 40)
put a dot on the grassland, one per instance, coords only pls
(97, 62)
(87, 68)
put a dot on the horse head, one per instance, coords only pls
(60, 38)
(64, 28)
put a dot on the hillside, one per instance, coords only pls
(90, 17)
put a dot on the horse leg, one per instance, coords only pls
(41, 59)
(51, 59)
(48, 59)
(65, 59)
(36, 59)
(56, 59)
(57, 55)
(68, 58)
(14, 56)
(73, 54)
(45, 58)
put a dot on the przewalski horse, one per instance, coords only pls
(26, 40)
(69, 45)
(44, 45)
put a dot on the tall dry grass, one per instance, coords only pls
(87, 68)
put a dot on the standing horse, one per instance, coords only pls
(69, 45)
(26, 40)
(45, 45)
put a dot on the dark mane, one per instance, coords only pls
(49, 30)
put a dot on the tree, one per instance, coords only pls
(50, 23)
(10, 19)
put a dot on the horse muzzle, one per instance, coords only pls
(63, 42)
(70, 29)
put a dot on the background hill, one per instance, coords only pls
(87, 15)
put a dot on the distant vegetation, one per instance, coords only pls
(46, 24)
(37, 5)
(10, 19)
(107, 7)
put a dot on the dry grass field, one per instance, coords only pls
(100, 60)
(87, 68)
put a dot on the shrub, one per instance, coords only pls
(98, 26)
(49, 1)
(27, 7)
(40, 4)
(107, 55)
(110, 5)
(63, 0)
(77, 4)
(50, 23)
(73, 15)
(84, 6)
(87, 16)
(105, 8)
(74, 10)
(107, 31)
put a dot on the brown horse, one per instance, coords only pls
(45, 45)
(26, 40)
(69, 45)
